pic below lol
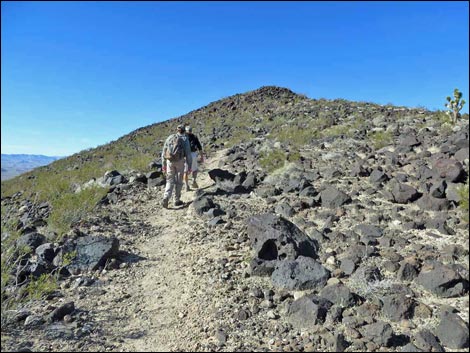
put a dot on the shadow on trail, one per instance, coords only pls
(128, 257)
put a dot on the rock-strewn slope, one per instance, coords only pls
(347, 240)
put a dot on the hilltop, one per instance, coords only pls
(319, 225)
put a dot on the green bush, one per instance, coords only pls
(463, 194)
(337, 130)
(39, 287)
(380, 139)
(442, 117)
(296, 136)
(72, 207)
(272, 160)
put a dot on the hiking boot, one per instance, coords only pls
(188, 188)
(195, 186)
(178, 203)
(165, 203)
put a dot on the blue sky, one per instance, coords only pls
(76, 75)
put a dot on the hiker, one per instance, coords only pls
(175, 150)
(195, 146)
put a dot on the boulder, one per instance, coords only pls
(333, 198)
(308, 311)
(275, 238)
(431, 203)
(452, 331)
(378, 176)
(378, 332)
(60, 312)
(113, 177)
(203, 204)
(31, 240)
(449, 169)
(426, 341)
(300, 274)
(442, 280)
(403, 193)
(397, 307)
(92, 252)
(339, 294)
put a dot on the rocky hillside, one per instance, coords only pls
(319, 226)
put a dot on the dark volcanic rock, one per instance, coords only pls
(45, 253)
(378, 176)
(379, 332)
(308, 311)
(229, 182)
(60, 312)
(300, 274)
(339, 294)
(156, 181)
(442, 280)
(262, 267)
(285, 210)
(275, 238)
(426, 341)
(452, 331)
(368, 232)
(203, 204)
(113, 178)
(407, 271)
(218, 175)
(397, 307)
(333, 198)
(32, 240)
(449, 169)
(403, 193)
(92, 253)
(438, 189)
(428, 202)
(462, 154)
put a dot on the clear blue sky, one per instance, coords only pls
(76, 75)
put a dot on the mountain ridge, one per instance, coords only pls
(15, 164)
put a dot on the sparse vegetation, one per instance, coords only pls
(272, 160)
(71, 207)
(463, 194)
(380, 139)
(39, 287)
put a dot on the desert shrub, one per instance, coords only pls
(442, 117)
(272, 160)
(463, 204)
(39, 287)
(238, 136)
(337, 130)
(295, 136)
(72, 207)
(380, 139)
(293, 156)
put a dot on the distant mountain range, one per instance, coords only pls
(16, 164)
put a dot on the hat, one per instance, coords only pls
(180, 127)
(189, 128)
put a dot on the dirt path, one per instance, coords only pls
(167, 287)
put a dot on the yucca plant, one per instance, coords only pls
(455, 105)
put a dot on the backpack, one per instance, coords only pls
(193, 143)
(175, 148)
